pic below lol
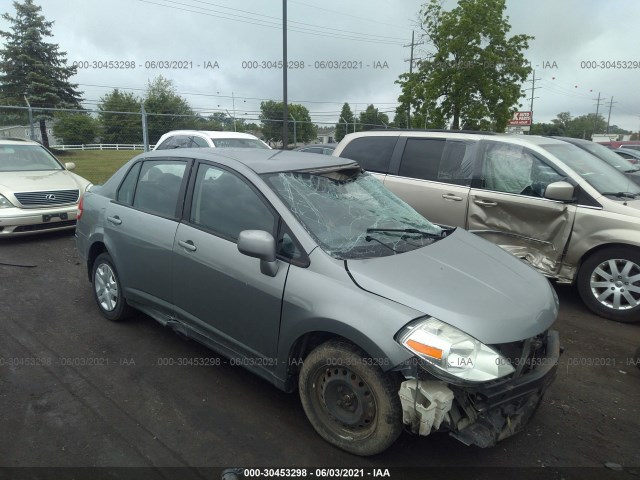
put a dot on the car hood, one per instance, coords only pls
(466, 282)
(41, 180)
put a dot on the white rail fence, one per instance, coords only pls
(103, 146)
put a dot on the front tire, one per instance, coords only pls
(107, 290)
(609, 283)
(349, 400)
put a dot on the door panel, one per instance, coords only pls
(221, 292)
(218, 290)
(438, 202)
(141, 246)
(511, 211)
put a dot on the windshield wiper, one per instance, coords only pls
(632, 170)
(369, 238)
(405, 230)
(621, 194)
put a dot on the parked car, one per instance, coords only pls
(632, 156)
(559, 208)
(630, 146)
(321, 148)
(308, 272)
(212, 139)
(607, 155)
(37, 192)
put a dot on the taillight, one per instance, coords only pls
(80, 208)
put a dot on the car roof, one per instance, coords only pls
(460, 134)
(211, 134)
(17, 141)
(259, 160)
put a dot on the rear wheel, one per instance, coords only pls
(609, 283)
(350, 401)
(107, 289)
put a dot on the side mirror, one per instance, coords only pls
(262, 245)
(561, 191)
(69, 165)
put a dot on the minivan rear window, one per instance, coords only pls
(372, 153)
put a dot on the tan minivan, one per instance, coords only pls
(567, 213)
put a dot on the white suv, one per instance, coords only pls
(37, 192)
(208, 139)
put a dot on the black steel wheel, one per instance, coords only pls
(349, 400)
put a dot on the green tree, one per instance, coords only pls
(75, 128)
(475, 74)
(124, 127)
(341, 128)
(166, 110)
(548, 129)
(371, 118)
(271, 117)
(32, 68)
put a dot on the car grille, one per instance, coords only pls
(44, 226)
(525, 355)
(51, 197)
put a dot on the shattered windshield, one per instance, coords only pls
(351, 214)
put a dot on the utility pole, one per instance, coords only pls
(295, 137)
(285, 108)
(233, 100)
(412, 44)
(609, 118)
(533, 89)
(145, 128)
(595, 121)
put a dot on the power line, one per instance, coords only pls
(342, 14)
(288, 21)
(217, 95)
(260, 23)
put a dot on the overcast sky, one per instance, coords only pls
(373, 32)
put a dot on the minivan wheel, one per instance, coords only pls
(609, 283)
(349, 400)
(107, 290)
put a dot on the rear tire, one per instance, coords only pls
(609, 283)
(107, 290)
(349, 400)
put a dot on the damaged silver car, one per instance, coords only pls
(311, 274)
(564, 211)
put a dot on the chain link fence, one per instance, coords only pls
(100, 141)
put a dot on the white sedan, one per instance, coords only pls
(37, 192)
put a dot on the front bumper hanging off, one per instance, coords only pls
(484, 414)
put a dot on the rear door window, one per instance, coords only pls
(438, 159)
(372, 153)
(159, 186)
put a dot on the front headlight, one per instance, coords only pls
(4, 203)
(452, 351)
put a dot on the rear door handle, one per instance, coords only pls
(115, 220)
(451, 196)
(485, 203)
(188, 245)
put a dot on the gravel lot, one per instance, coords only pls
(97, 393)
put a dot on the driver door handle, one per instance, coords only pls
(485, 203)
(115, 220)
(451, 196)
(188, 245)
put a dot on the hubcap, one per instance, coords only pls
(615, 284)
(347, 398)
(106, 287)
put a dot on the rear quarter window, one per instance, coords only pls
(372, 153)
